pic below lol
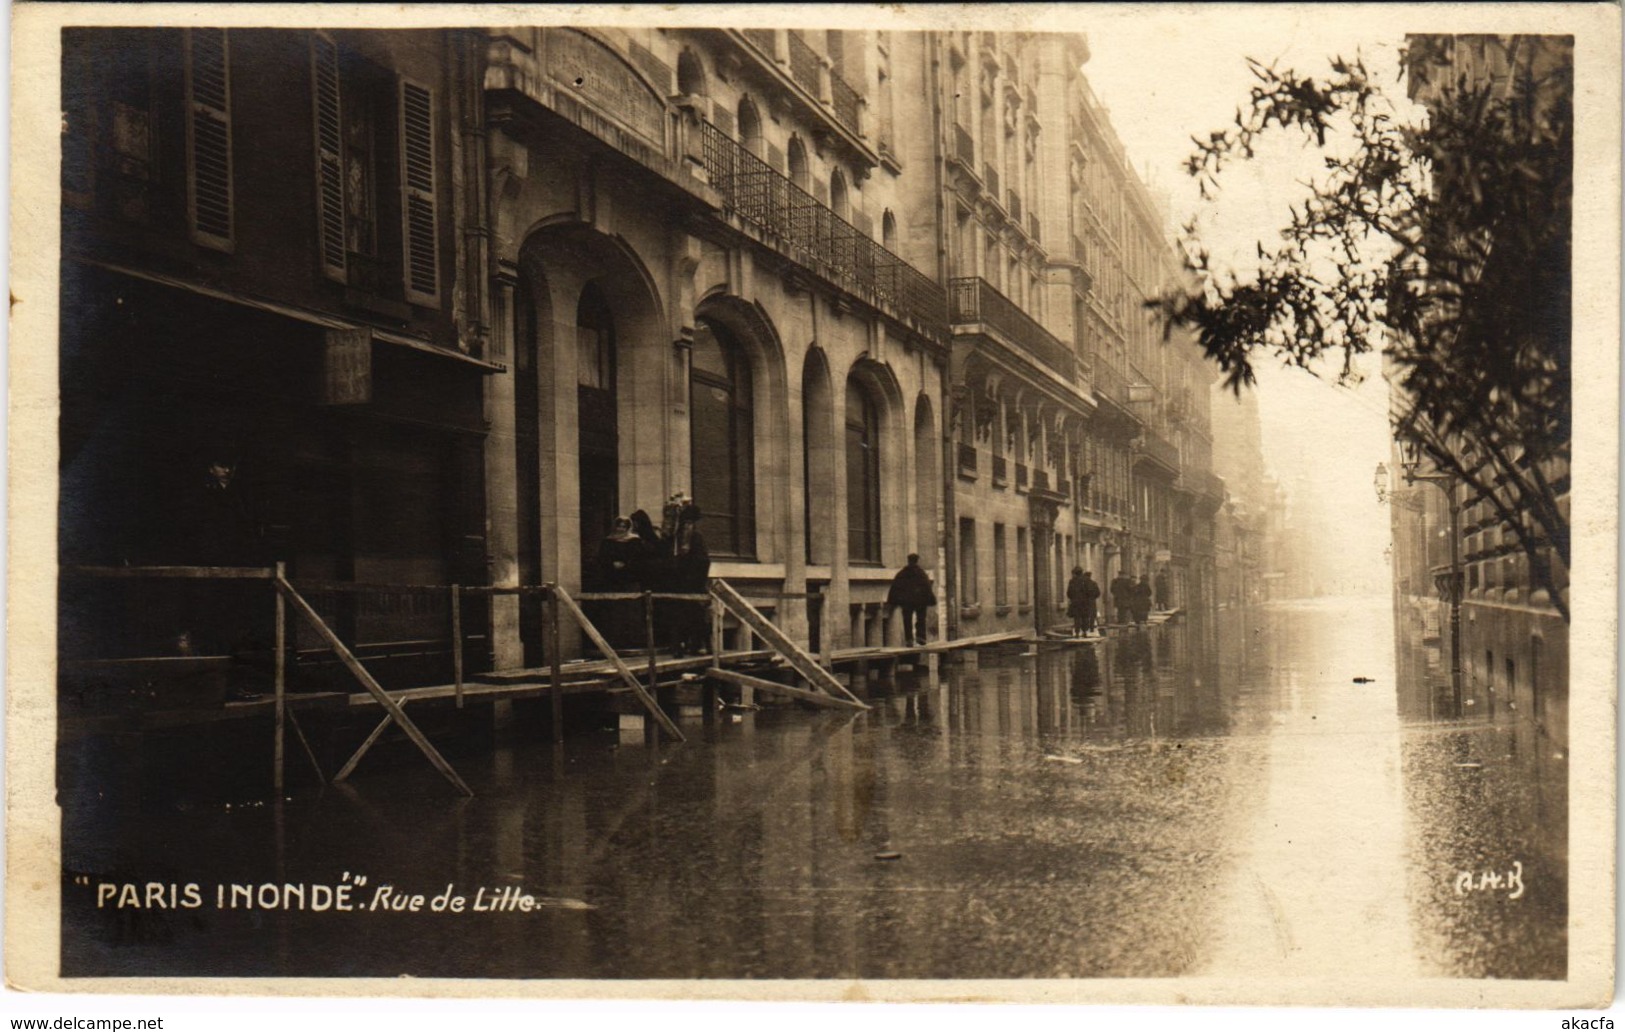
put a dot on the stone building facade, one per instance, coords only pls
(456, 299)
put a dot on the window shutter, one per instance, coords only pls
(208, 137)
(324, 80)
(419, 234)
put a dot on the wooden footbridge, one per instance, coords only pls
(768, 661)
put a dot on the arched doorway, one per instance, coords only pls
(589, 336)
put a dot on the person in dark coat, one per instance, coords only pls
(1081, 593)
(911, 591)
(1123, 597)
(691, 575)
(1142, 600)
(1162, 590)
(620, 569)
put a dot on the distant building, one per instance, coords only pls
(1514, 643)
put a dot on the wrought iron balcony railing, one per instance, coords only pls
(1021, 476)
(763, 38)
(1000, 476)
(844, 99)
(964, 147)
(990, 176)
(967, 458)
(1040, 479)
(1015, 206)
(1163, 451)
(975, 301)
(803, 63)
(807, 231)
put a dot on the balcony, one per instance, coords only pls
(967, 460)
(810, 83)
(805, 230)
(1040, 479)
(1000, 473)
(804, 64)
(974, 301)
(1158, 450)
(1021, 476)
(990, 176)
(964, 147)
(1015, 207)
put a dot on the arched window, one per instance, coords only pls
(750, 126)
(837, 195)
(888, 231)
(798, 164)
(690, 74)
(862, 474)
(721, 439)
(598, 441)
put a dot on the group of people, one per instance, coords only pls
(671, 558)
(1132, 598)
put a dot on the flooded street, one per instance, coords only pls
(1158, 805)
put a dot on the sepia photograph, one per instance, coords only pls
(1075, 502)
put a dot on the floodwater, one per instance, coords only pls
(1219, 800)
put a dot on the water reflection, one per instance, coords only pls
(1179, 800)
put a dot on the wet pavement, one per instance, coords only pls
(1180, 801)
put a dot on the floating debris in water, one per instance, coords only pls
(1470, 765)
(1063, 759)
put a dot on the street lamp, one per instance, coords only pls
(1449, 584)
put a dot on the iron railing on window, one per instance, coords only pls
(762, 38)
(1021, 476)
(1040, 480)
(975, 301)
(999, 473)
(967, 458)
(805, 229)
(844, 99)
(1015, 206)
(1110, 383)
(1159, 449)
(990, 176)
(804, 63)
(964, 146)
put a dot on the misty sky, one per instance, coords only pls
(1169, 75)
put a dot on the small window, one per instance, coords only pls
(1001, 567)
(798, 164)
(750, 126)
(888, 231)
(837, 195)
(690, 74)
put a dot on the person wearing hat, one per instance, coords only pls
(1081, 594)
(911, 592)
